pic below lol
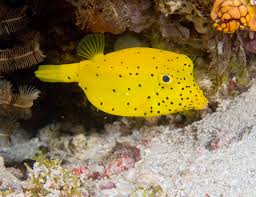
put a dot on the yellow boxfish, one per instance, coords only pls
(136, 81)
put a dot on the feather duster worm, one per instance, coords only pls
(12, 20)
(20, 57)
(16, 105)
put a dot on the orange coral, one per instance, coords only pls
(231, 15)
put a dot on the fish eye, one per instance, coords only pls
(166, 78)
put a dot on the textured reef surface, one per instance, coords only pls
(54, 142)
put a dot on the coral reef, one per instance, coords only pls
(187, 10)
(104, 157)
(114, 16)
(48, 178)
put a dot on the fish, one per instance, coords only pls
(138, 81)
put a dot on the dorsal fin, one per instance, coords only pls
(91, 45)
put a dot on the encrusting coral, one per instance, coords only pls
(185, 9)
(231, 15)
(114, 16)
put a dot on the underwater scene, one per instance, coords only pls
(116, 98)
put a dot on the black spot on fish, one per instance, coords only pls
(180, 104)
(114, 90)
(137, 73)
(121, 62)
(135, 109)
(139, 85)
(158, 104)
(145, 114)
(120, 76)
(85, 88)
(154, 58)
(171, 103)
(148, 97)
(167, 98)
(97, 75)
(158, 112)
(130, 73)
(127, 103)
(157, 93)
(101, 103)
(129, 89)
(170, 110)
(151, 111)
(177, 57)
(152, 75)
(185, 64)
(68, 77)
(138, 67)
(113, 109)
(182, 88)
(77, 75)
(156, 67)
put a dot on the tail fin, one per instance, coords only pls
(67, 73)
